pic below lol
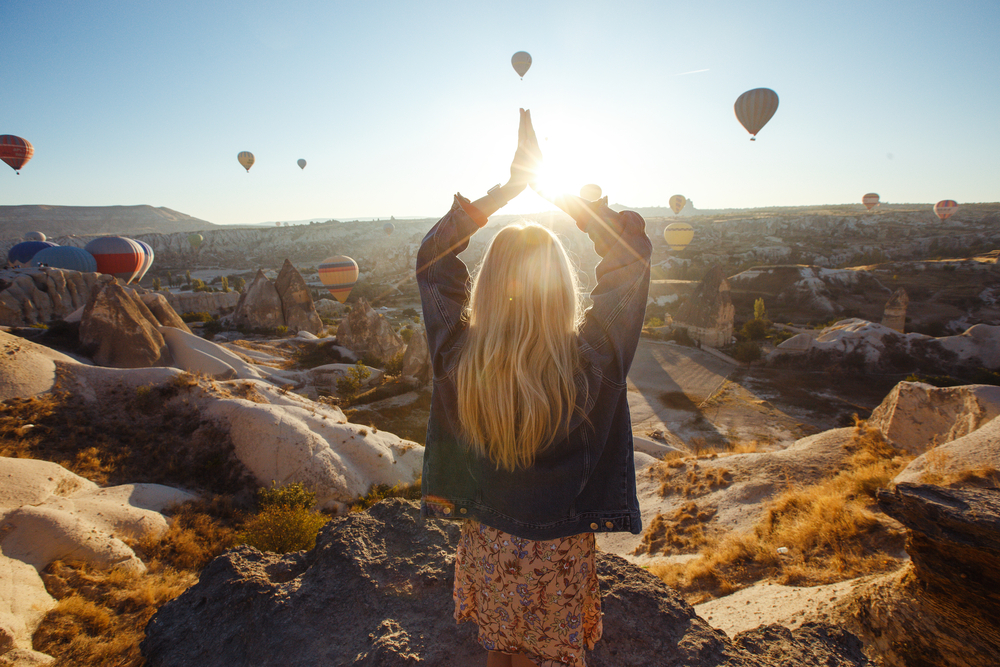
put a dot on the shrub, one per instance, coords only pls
(654, 322)
(747, 352)
(349, 385)
(754, 330)
(196, 317)
(406, 333)
(379, 492)
(395, 365)
(291, 496)
(285, 522)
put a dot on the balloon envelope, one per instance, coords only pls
(521, 62)
(388, 228)
(15, 151)
(678, 235)
(246, 159)
(66, 257)
(195, 240)
(117, 256)
(34, 236)
(301, 163)
(945, 208)
(148, 256)
(339, 274)
(591, 192)
(22, 253)
(870, 200)
(754, 108)
(677, 203)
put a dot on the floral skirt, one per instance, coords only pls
(541, 599)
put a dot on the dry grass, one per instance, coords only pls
(680, 533)
(831, 530)
(379, 492)
(981, 477)
(685, 477)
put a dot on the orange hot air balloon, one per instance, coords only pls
(521, 61)
(15, 151)
(246, 159)
(678, 235)
(339, 274)
(945, 208)
(754, 108)
(677, 203)
(870, 200)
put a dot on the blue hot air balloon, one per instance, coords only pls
(66, 257)
(21, 254)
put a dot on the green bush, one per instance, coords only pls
(349, 385)
(654, 322)
(285, 521)
(406, 333)
(754, 330)
(395, 365)
(747, 352)
(196, 317)
(290, 496)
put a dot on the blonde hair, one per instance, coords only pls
(515, 372)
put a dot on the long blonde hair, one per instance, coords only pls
(515, 372)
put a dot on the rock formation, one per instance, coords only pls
(33, 295)
(161, 309)
(366, 332)
(417, 359)
(296, 303)
(894, 316)
(259, 306)
(26, 368)
(940, 609)
(116, 332)
(708, 313)
(213, 303)
(330, 308)
(377, 590)
(971, 459)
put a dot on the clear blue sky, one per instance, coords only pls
(397, 105)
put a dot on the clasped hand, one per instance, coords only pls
(528, 157)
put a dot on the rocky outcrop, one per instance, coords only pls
(330, 308)
(417, 359)
(213, 303)
(972, 459)
(33, 295)
(941, 609)
(259, 306)
(296, 303)
(118, 330)
(366, 332)
(26, 368)
(165, 315)
(708, 313)
(894, 316)
(377, 589)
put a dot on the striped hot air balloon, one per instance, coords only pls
(66, 257)
(945, 208)
(117, 256)
(246, 159)
(677, 203)
(870, 200)
(34, 236)
(15, 151)
(339, 274)
(21, 254)
(148, 256)
(678, 235)
(754, 108)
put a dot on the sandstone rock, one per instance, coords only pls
(366, 332)
(165, 315)
(377, 589)
(23, 603)
(296, 303)
(330, 308)
(25, 657)
(708, 313)
(959, 462)
(799, 343)
(894, 316)
(214, 303)
(917, 417)
(189, 355)
(259, 306)
(26, 368)
(116, 332)
(417, 358)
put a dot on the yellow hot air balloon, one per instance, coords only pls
(678, 235)
(339, 274)
(870, 200)
(521, 62)
(754, 108)
(591, 192)
(246, 159)
(677, 203)
(945, 208)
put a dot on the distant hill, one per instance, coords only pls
(88, 220)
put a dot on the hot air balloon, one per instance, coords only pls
(870, 200)
(15, 151)
(339, 275)
(22, 253)
(945, 208)
(195, 240)
(301, 163)
(148, 256)
(591, 192)
(677, 203)
(521, 62)
(117, 256)
(754, 108)
(66, 257)
(246, 159)
(34, 236)
(388, 228)
(678, 235)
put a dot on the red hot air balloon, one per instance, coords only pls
(15, 151)
(117, 256)
(870, 200)
(945, 208)
(754, 108)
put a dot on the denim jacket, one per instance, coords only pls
(584, 482)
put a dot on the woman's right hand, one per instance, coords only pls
(528, 157)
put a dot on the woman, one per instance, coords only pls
(529, 439)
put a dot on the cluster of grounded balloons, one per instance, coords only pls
(124, 258)
(944, 209)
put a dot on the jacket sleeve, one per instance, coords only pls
(443, 278)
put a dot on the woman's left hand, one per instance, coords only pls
(528, 157)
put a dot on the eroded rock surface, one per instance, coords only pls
(708, 314)
(117, 332)
(417, 358)
(366, 332)
(259, 306)
(296, 303)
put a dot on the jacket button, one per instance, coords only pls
(447, 510)
(609, 525)
(464, 511)
(594, 526)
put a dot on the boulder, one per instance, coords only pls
(116, 333)
(23, 604)
(330, 308)
(191, 355)
(377, 589)
(708, 314)
(366, 332)
(417, 358)
(917, 417)
(296, 303)
(972, 458)
(165, 315)
(259, 306)
(797, 344)
(26, 368)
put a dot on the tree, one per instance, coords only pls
(759, 312)
(156, 285)
(187, 274)
(747, 352)
(225, 284)
(170, 279)
(240, 284)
